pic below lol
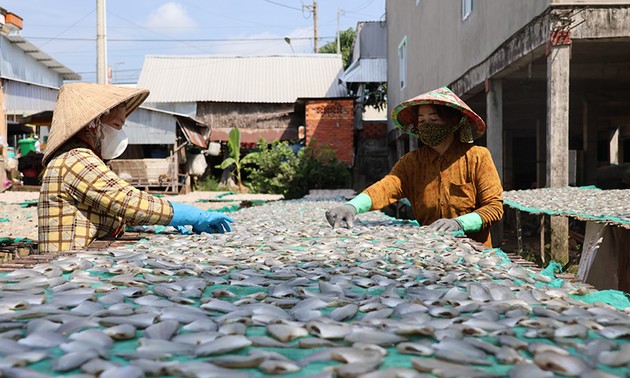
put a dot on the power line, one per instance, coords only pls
(282, 5)
(66, 29)
(177, 40)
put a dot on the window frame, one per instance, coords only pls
(467, 8)
(402, 63)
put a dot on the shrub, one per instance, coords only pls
(209, 184)
(277, 169)
(272, 167)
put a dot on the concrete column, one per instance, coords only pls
(494, 115)
(558, 62)
(101, 43)
(589, 144)
(508, 160)
(494, 140)
(541, 153)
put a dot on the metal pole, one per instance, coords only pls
(338, 31)
(101, 43)
(315, 48)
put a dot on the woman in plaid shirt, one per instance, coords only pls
(80, 198)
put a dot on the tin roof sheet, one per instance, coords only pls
(254, 79)
(45, 59)
(367, 71)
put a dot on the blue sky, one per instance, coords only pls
(66, 29)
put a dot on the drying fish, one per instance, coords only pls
(449, 306)
(222, 344)
(564, 364)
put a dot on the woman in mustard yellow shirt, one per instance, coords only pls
(452, 184)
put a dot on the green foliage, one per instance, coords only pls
(208, 184)
(277, 169)
(234, 145)
(346, 40)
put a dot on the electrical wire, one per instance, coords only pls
(282, 5)
(66, 29)
(177, 40)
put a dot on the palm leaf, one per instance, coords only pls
(226, 163)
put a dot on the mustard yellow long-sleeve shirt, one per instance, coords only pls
(459, 182)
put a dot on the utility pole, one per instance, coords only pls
(101, 43)
(315, 48)
(339, 12)
(313, 8)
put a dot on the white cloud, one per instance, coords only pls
(269, 44)
(171, 18)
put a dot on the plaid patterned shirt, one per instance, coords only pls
(459, 182)
(81, 200)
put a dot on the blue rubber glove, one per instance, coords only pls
(201, 221)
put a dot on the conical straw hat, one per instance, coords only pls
(80, 103)
(405, 115)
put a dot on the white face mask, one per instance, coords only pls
(114, 142)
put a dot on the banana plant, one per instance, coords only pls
(234, 145)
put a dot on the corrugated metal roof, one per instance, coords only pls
(27, 98)
(43, 58)
(255, 79)
(369, 54)
(367, 71)
(154, 126)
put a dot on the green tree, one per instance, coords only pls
(346, 40)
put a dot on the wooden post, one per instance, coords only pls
(558, 66)
(4, 138)
(519, 233)
(542, 239)
(614, 147)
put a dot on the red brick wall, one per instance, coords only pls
(331, 123)
(374, 130)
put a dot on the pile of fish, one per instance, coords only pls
(582, 203)
(286, 294)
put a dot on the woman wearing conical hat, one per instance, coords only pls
(81, 199)
(452, 185)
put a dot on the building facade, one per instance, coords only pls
(550, 77)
